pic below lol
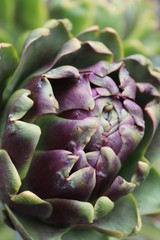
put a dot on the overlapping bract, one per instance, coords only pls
(75, 129)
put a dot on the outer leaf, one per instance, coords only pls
(90, 33)
(17, 106)
(32, 229)
(90, 53)
(74, 212)
(153, 151)
(108, 36)
(84, 234)
(25, 136)
(33, 58)
(148, 194)
(139, 63)
(122, 221)
(112, 40)
(102, 207)
(10, 181)
(30, 204)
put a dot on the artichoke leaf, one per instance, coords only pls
(122, 221)
(81, 233)
(29, 204)
(32, 59)
(10, 181)
(149, 193)
(26, 136)
(32, 229)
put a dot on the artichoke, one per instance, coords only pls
(76, 125)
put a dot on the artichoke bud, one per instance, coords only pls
(71, 126)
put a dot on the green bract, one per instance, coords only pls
(77, 120)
